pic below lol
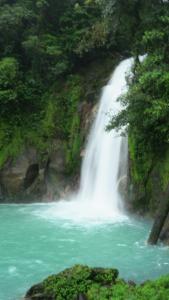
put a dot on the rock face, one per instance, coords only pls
(144, 197)
(22, 177)
(29, 178)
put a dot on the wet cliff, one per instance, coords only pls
(46, 166)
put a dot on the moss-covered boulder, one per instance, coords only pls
(84, 283)
(72, 283)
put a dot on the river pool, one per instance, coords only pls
(33, 246)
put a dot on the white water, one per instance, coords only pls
(105, 150)
(104, 164)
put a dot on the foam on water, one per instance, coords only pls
(79, 213)
(12, 270)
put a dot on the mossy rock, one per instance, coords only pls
(71, 283)
(84, 283)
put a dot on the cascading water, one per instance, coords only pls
(100, 168)
(98, 198)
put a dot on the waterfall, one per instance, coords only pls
(105, 161)
(105, 150)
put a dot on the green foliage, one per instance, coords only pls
(62, 119)
(157, 290)
(127, 20)
(147, 102)
(141, 162)
(74, 145)
(15, 18)
(9, 82)
(62, 104)
(41, 44)
(71, 282)
(46, 56)
(11, 142)
(99, 284)
(44, 43)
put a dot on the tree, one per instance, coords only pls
(9, 82)
(147, 102)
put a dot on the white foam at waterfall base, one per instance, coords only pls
(98, 199)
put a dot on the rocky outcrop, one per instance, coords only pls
(84, 283)
(58, 182)
(32, 177)
(72, 284)
(28, 178)
(22, 177)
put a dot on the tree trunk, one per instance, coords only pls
(160, 219)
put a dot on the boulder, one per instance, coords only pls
(72, 284)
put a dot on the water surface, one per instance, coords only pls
(33, 245)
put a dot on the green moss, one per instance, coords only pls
(141, 160)
(48, 123)
(97, 292)
(63, 121)
(11, 143)
(71, 282)
(68, 284)
(105, 276)
(14, 139)
(73, 146)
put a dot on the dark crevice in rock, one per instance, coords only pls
(31, 174)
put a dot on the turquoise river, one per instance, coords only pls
(33, 246)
